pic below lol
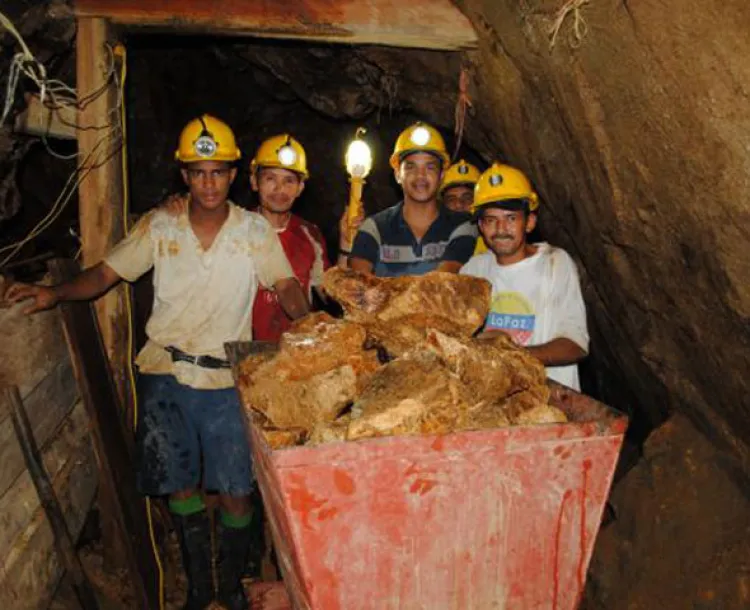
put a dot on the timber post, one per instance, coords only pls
(100, 194)
(100, 208)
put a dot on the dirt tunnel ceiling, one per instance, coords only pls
(637, 138)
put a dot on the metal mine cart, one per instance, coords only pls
(480, 520)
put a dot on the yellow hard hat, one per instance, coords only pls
(502, 183)
(461, 173)
(281, 151)
(419, 137)
(207, 139)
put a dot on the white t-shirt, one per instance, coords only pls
(202, 298)
(536, 300)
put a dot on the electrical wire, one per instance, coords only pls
(25, 63)
(120, 51)
(69, 189)
(59, 95)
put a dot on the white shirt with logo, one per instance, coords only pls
(536, 300)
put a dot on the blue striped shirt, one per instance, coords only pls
(388, 243)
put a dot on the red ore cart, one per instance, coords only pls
(501, 519)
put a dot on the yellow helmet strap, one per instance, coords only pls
(205, 145)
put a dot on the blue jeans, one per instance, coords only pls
(181, 429)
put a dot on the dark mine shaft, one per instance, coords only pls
(407, 453)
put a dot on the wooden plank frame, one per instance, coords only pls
(100, 193)
(112, 442)
(424, 24)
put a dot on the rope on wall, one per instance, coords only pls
(463, 103)
(580, 27)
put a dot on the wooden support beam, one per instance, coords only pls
(40, 119)
(100, 194)
(112, 439)
(30, 569)
(425, 24)
(63, 540)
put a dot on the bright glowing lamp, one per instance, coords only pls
(358, 158)
(358, 165)
(287, 155)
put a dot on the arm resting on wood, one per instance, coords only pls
(90, 284)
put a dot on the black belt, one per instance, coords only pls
(207, 362)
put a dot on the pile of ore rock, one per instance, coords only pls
(403, 360)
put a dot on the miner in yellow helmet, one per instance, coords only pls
(536, 293)
(416, 235)
(277, 174)
(208, 262)
(457, 188)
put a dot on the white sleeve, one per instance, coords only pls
(470, 267)
(567, 306)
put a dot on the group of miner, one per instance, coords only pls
(223, 273)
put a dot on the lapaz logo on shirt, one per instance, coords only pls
(512, 313)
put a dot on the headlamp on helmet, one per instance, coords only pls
(286, 155)
(205, 145)
(420, 136)
(207, 138)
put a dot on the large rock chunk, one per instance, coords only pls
(398, 312)
(320, 368)
(446, 384)
(493, 367)
(507, 384)
(410, 395)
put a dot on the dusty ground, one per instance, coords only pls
(115, 592)
(112, 586)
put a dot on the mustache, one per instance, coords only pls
(500, 236)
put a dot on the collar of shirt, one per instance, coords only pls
(443, 220)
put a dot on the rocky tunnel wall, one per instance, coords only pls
(639, 142)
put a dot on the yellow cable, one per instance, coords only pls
(119, 51)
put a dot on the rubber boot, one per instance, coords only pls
(234, 545)
(194, 534)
